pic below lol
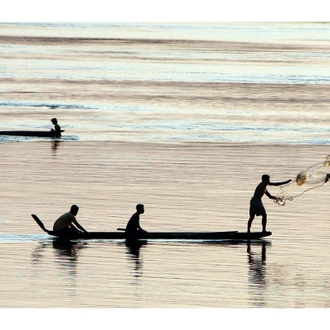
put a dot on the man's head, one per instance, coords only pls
(265, 178)
(140, 208)
(54, 121)
(74, 209)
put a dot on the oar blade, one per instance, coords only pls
(39, 222)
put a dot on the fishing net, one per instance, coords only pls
(313, 177)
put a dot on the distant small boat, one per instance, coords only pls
(30, 133)
(223, 235)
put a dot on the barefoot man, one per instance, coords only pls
(256, 206)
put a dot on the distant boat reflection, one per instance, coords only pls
(55, 145)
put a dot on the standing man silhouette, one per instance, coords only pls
(256, 206)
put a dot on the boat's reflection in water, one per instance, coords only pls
(256, 260)
(67, 253)
(68, 249)
(257, 275)
(256, 252)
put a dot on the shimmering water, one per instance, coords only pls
(225, 82)
(184, 118)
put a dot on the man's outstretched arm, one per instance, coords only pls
(279, 183)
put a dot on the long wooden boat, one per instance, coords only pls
(222, 235)
(30, 133)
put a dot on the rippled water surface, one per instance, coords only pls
(184, 118)
(184, 187)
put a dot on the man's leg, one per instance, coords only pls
(252, 215)
(264, 222)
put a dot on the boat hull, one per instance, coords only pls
(115, 235)
(29, 133)
(230, 235)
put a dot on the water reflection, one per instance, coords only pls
(256, 252)
(257, 272)
(55, 145)
(133, 252)
(66, 252)
(37, 253)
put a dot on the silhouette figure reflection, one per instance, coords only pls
(55, 145)
(133, 251)
(257, 272)
(134, 246)
(257, 264)
(66, 252)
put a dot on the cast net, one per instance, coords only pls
(313, 177)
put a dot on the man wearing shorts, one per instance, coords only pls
(256, 206)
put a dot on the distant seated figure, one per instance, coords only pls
(57, 129)
(133, 228)
(68, 223)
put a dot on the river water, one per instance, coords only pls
(184, 118)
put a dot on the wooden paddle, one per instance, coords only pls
(39, 222)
